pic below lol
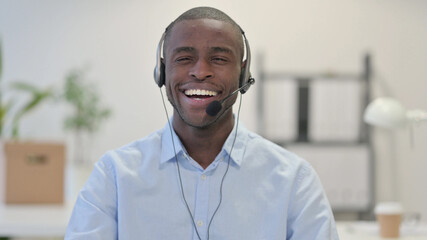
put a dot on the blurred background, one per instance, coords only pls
(111, 46)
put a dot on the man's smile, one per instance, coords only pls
(200, 93)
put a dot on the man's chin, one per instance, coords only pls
(204, 124)
(199, 122)
(199, 119)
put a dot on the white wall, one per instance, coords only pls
(116, 40)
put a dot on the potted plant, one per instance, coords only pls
(37, 96)
(34, 170)
(87, 112)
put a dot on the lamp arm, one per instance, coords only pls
(416, 115)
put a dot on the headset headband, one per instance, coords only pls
(245, 76)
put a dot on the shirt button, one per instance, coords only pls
(203, 177)
(200, 223)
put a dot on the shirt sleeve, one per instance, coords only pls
(95, 213)
(310, 215)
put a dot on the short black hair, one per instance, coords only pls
(205, 13)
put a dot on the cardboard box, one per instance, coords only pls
(34, 172)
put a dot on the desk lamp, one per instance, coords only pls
(390, 113)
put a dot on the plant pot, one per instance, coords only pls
(34, 172)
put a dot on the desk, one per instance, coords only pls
(370, 231)
(34, 220)
(52, 220)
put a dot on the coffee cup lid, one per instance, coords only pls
(388, 208)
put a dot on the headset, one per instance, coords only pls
(245, 75)
(245, 81)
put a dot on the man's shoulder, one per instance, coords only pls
(260, 143)
(137, 148)
(266, 148)
(150, 140)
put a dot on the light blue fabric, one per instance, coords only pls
(268, 193)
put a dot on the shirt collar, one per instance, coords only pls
(167, 149)
(241, 139)
(237, 151)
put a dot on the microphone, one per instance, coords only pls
(216, 106)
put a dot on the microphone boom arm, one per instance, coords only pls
(215, 106)
(251, 81)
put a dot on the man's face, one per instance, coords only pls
(202, 64)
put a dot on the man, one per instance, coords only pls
(202, 176)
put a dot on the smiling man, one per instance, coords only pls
(202, 56)
(203, 176)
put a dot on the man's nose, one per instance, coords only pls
(202, 70)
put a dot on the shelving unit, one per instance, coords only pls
(319, 117)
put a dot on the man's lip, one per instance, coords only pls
(209, 86)
(195, 87)
(199, 102)
(204, 96)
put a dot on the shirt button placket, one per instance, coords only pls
(202, 204)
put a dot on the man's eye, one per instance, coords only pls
(219, 59)
(183, 59)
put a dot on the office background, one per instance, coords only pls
(116, 43)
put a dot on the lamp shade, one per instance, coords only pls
(385, 112)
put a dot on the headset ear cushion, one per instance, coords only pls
(161, 80)
(244, 80)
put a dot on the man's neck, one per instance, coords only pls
(204, 144)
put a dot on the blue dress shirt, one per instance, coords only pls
(268, 193)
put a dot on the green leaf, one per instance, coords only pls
(1, 60)
(37, 96)
(3, 109)
(25, 87)
(88, 112)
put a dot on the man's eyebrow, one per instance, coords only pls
(212, 50)
(221, 49)
(183, 49)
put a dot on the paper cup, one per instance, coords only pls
(389, 217)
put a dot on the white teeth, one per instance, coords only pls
(200, 92)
